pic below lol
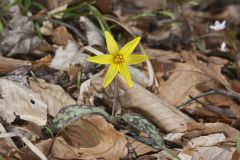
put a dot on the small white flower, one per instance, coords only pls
(218, 26)
(223, 47)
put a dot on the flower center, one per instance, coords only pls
(118, 59)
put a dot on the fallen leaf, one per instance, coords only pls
(208, 153)
(52, 95)
(209, 140)
(70, 56)
(97, 138)
(54, 149)
(10, 64)
(61, 36)
(140, 100)
(21, 38)
(92, 34)
(21, 101)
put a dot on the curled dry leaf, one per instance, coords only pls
(21, 101)
(96, 138)
(53, 95)
(92, 34)
(70, 56)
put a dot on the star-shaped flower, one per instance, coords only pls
(118, 59)
(218, 26)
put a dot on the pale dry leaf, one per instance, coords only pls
(62, 56)
(92, 34)
(97, 138)
(208, 153)
(65, 57)
(20, 100)
(174, 137)
(53, 95)
(21, 38)
(47, 28)
(209, 140)
(57, 12)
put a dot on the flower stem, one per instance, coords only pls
(115, 97)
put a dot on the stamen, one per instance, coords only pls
(118, 59)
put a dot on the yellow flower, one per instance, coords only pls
(118, 60)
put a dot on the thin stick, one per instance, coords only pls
(214, 91)
(115, 96)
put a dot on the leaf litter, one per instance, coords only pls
(52, 100)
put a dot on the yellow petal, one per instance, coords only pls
(111, 73)
(128, 48)
(111, 44)
(101, 59)
(135, 59)
(124, 71)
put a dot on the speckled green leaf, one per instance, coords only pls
(70, 114)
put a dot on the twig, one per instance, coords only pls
(214, 91)
(223, 113)
(115, 96)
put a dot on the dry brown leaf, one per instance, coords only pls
(190, 78)
(54, 149)
(155, 109)
(61, 36)
(7, 151)
(20, 100)
(138, 99)
(53, 95)
(10, 64)
(97, 139)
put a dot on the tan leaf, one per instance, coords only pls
(53, 95)
(61, 36)
(10, 64)
(54, 149)
(138, 99)
(155, 109)
(96, 139)
(19, 100)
